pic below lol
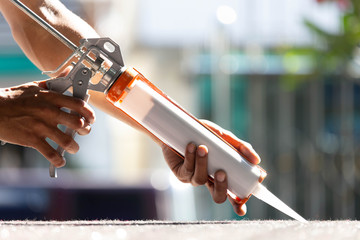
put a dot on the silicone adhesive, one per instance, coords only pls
(137, 97)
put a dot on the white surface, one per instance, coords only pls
(244, 230)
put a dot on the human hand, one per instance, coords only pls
(193, 168)
(30, 113)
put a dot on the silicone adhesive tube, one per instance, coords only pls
(158, 114)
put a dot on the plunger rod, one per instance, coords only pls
(44, 24)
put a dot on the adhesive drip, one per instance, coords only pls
(265, 195)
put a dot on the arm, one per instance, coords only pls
(35, 41)
(29, 114)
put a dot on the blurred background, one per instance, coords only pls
(282, 75)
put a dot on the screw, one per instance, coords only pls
(80, 82)
(84, 71)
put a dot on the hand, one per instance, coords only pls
(193, 168)
(29, 114)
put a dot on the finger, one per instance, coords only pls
(200, 176)
(84, 109)
(188, 166)
(73, 121)
(75, 104)
(243, 147)
(59, 137)
(220, 187)
(65, 141)
(50, 153)
(55, 116)
(84, 130)
(238, 206)
(248, 152)
(174, 161)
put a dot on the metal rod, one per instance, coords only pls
(44, 24)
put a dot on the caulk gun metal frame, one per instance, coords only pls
(96, 55)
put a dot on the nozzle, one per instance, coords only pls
(265, 195)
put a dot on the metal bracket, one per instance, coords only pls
(79, 79)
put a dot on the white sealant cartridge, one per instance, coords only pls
(153, 110)
(163, 118)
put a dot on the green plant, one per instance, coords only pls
(335, 50)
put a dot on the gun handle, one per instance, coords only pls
(60, 150)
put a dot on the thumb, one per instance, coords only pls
(64, 73)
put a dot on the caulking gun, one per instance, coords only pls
(132, 93)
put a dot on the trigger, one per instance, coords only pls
(59, 85)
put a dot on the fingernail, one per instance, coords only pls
(220, 177)
(201, 151)
(191, 148)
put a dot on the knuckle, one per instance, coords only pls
(188, 171)
(220, 200)
(67, 142)
(79, 103)
(200, 180)
(78, 122)
(184, 177)
(54, 157)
